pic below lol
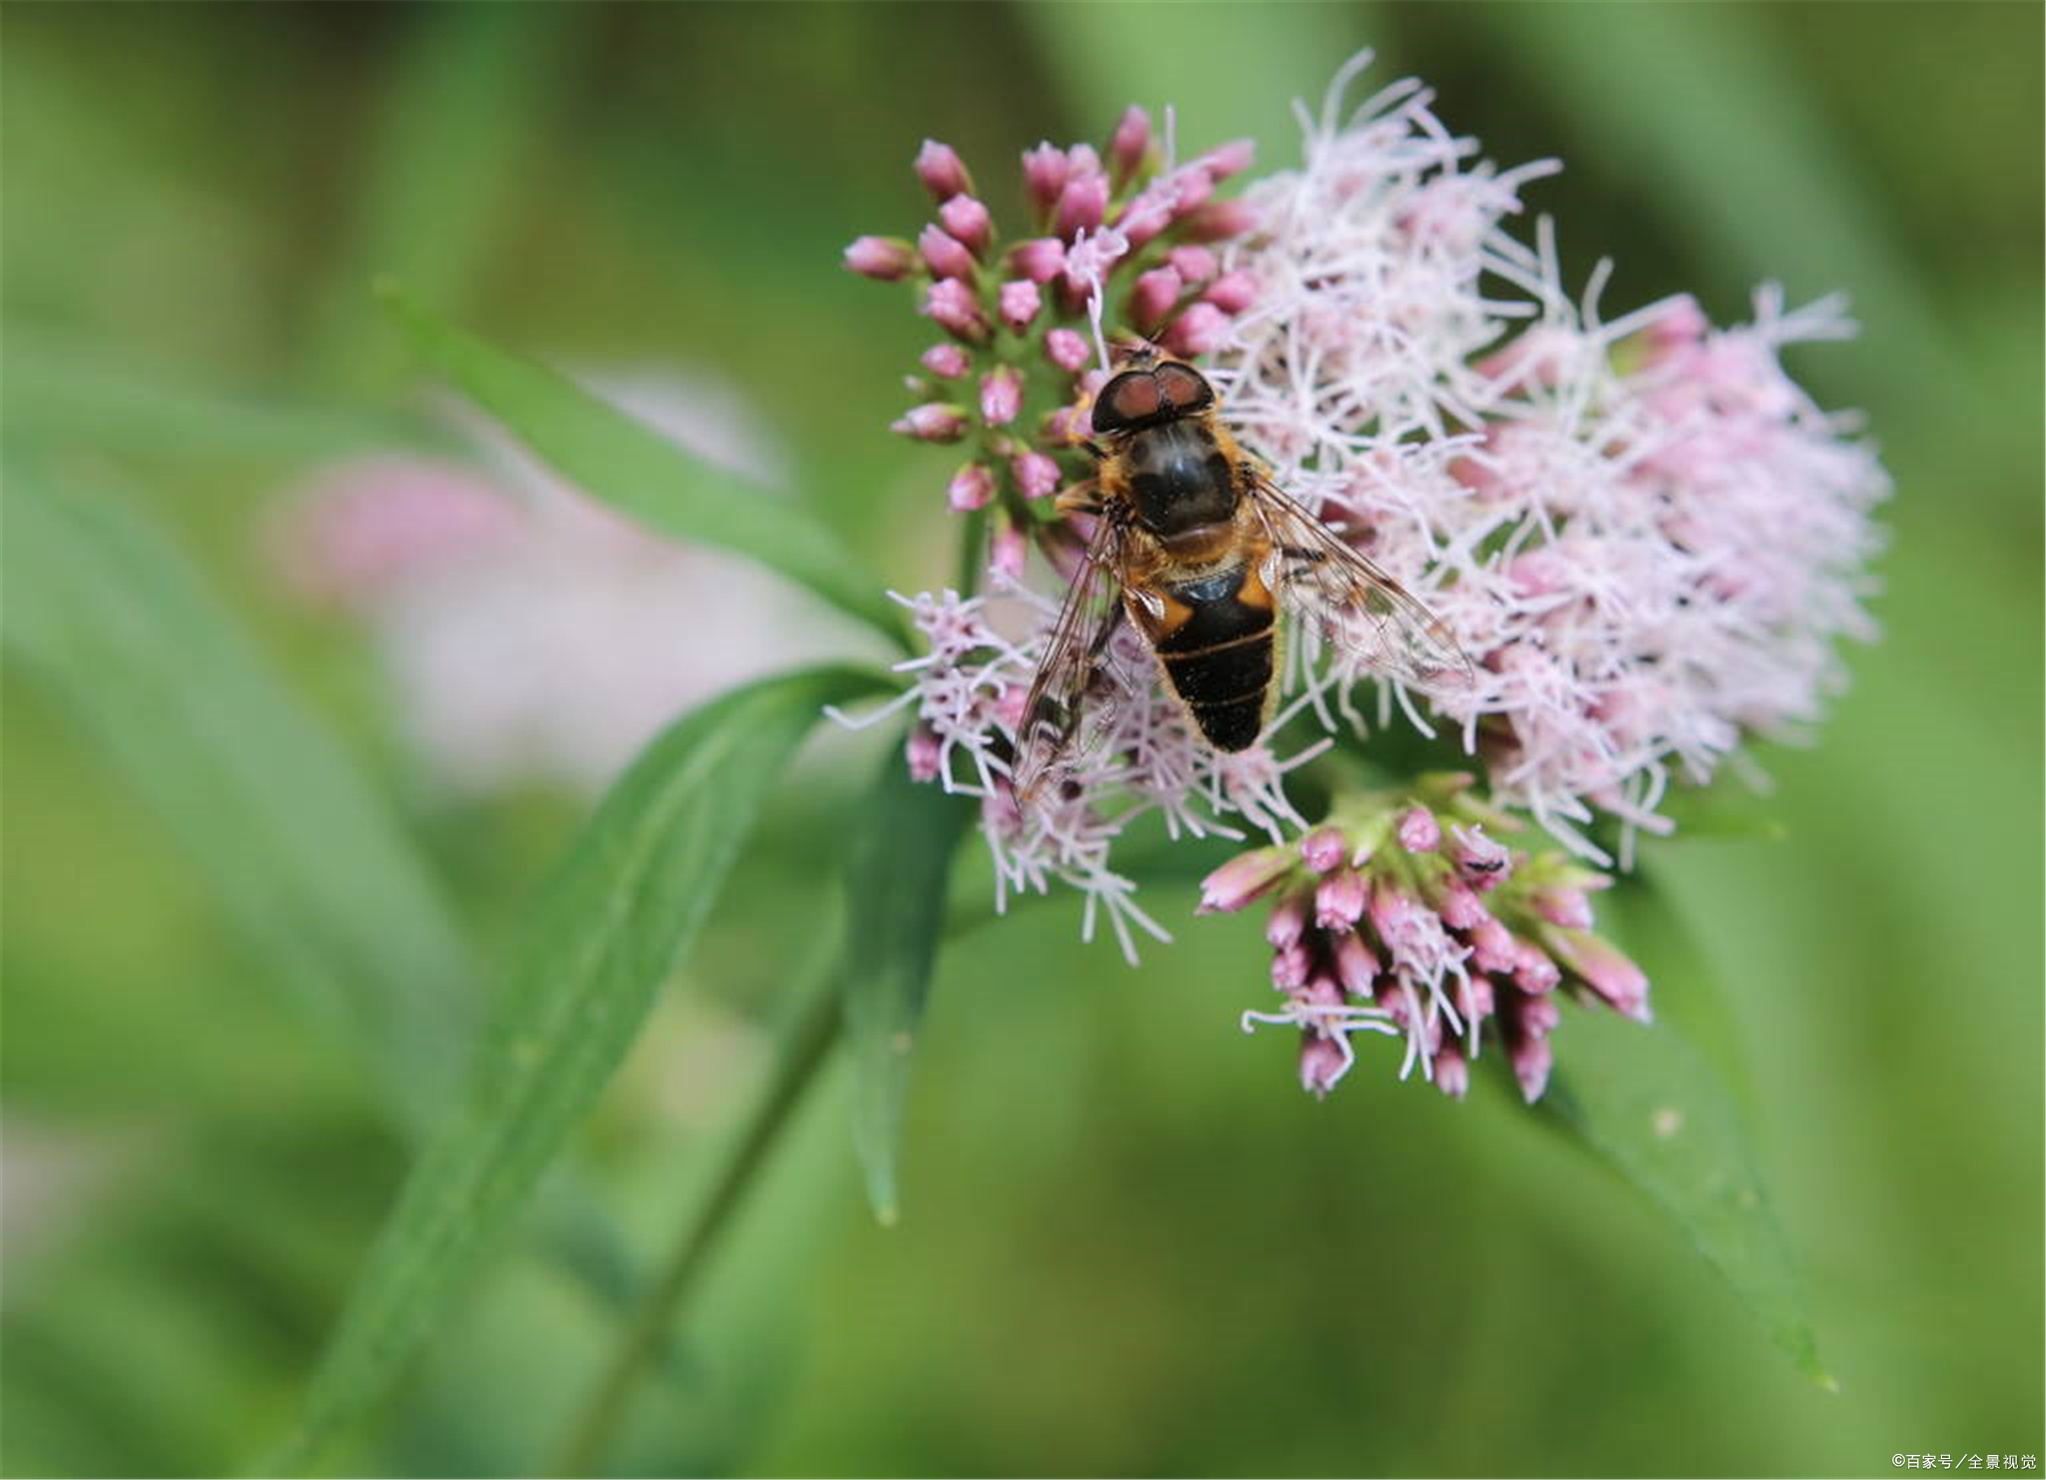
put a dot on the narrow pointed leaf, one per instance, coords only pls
(900, 858)
(607, 930)
(625, 463)
(298, 852)
(1652, 1106)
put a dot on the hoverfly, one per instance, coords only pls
(1197, 548)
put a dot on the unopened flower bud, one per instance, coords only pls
(1242, 879)
(1287, 922)
(1290, 968)
(1531, 1058)
(946, 257)
(888, 258)
(1452, 1072)
(935, 421)
(952, 304)
(1493, 947)
(1198, 331)
(1602, 968)
(1044, 176)
(1218, 220)
(1323, 848)
(1018, 303)
(1232, 158)
(926, 754)
(1008, 551)
(1322, 1064)
(1132, 137)
(1540, 1016)
(1040, 259)
(1419, 832)
(1152, 298)
(1037, 476)
(1232, 292)
(946, 361)
(1143, 218)
(971, 488)
(1356, 965)
(1564, 906)
(1339, 900)
(1067, 349)
(1533, 971)
(1480, 861)
(1001, 396)
(1460, 906)
(941, 171)
(1193, 264)
(1082, 204)
(967, 221)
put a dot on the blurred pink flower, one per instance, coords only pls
(528, 634)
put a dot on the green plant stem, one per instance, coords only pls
(805, 1052)
(972, 542)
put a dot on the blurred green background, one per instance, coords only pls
(1130, 1245)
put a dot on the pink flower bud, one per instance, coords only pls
(1532, 1058)
(1460, 907)
(947, 257)
(888, 258)
(1082, 204)
(1322, 1064)
(1040, 259)
(1287, 922)
(1152, 298)
(1191, 189)
(1533, 971)
(1132, 138)
(1143, 218)
(1242, 879)
(1193, 264)
(935, 421)
(952, 304)
(946, 361)
(1603, 969)
(1419, 832)
(1232, 158)
(1356, 966)
(1198, 331)
(1493, 947)
(1001, 396)
(1339, 900)
(1009, 707)
(1082, 160)
(1452, 1073)
(1477, 999)
(926, 754)
(1290, 968)
(1219, 220)
(1322, 849)
(971, 488)
(1482, 863)
(967, 221)
(1068, 350)
(1008, 551)
(1037, 476)
(1044, 176)
(1540, 1016)
(1232, 292)
(1018, 303)
(1564, 906)
(1066, 427)
(942, 173)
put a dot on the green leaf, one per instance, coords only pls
(1651, 1105)
(299, 852)
(607, 930)
(896, 875)
(625, 463)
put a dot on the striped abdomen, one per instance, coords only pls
(1215, 639)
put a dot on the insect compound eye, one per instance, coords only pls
(1184, 386)
(1129, 398)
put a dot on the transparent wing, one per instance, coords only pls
(1364, 611)
(1068, 673)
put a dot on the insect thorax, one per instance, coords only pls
(1178, 476)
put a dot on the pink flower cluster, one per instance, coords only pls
(1013, 373)
(1401, 916)
(1647, 536)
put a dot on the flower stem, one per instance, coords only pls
(804, 1052)
(972, 542)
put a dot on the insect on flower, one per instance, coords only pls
(1197, 548)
